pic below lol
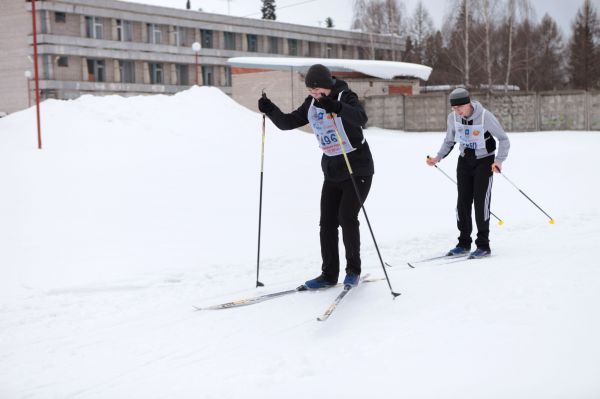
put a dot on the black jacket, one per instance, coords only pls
(353, 117)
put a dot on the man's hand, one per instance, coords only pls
(497, 167)
(432, 161)
(265, 105)
(329, 104)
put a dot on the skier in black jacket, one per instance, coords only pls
(330, 97)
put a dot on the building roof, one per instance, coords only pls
(378, 69)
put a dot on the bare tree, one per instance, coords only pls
(516, 9)
(457, 28)
(488, 11)
(384, 17)
(420, 27)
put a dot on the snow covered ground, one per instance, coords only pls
(138, 208)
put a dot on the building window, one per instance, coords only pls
(252, 43)
(96, 70)
(44, 25)
(124, 31)
(62, 61)
(229, 40)
(183, 74)
(206, 38)
(154, 34)
(208, 75)
(362, 53)
(46, 65)
(293, 46)
(273, 45)
(60, 17)
(156, 74)
(227, 74)
(94, 28)
(127, 71)
(313, 49)
(180, 36)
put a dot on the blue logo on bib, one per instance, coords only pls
(467, 131)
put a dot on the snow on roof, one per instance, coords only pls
(379, 69)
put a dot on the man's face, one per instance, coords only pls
(316, 92)
(464, 110)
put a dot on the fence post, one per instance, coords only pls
(404, 112)
(588, 125)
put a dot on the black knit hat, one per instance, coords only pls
(459, 96)
(318, 76)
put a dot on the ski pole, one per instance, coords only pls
(551, 221)
(360, 200)
(500, 221)
(262, 163)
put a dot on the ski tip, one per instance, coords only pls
(387, 264)
(408, 263)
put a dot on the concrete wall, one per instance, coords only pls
(517, 112)
(288, 90)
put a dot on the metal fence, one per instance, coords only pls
(520, 112)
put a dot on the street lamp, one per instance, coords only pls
(28, 77)
(36, 72)
(196, 47)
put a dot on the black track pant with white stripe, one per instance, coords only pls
(475, 179)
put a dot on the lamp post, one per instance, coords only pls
(36, 72)
(196, 47)
(28, 77)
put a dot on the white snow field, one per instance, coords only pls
(137, 209)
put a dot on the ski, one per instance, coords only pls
(338, 299)
(462, 259)
(251, 301)
(445, 257)
(266, 297)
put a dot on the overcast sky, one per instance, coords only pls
(314, 12)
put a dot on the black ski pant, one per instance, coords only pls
(340, 207)
(474, 178)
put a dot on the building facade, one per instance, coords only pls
(114, 47)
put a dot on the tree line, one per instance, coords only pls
(491, 44)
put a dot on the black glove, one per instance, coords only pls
(329, 104)
(265, 105)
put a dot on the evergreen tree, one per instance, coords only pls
(584, 71)
(409, 51)
(549, 63)
(434, 56)
(268, 9)
(329, 22)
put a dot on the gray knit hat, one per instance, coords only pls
(318, 76)
(459, 96)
